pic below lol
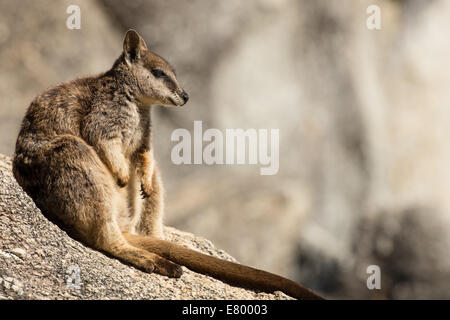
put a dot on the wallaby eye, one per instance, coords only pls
(158, 73)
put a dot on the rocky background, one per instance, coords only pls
(364, 119)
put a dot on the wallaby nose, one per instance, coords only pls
(185, 96)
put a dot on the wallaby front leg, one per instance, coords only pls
(112, 154)
(146, 167)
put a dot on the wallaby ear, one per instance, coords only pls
(133, 44)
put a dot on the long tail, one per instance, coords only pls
(226, 271)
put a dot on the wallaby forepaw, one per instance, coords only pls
(123, 181)
(146, 190)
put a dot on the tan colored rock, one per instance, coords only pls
(40, 261)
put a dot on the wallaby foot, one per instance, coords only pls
(144, 260)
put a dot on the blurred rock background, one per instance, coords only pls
(364, 119)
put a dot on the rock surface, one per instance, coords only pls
(40, 261)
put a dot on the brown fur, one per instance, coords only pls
(84, 155)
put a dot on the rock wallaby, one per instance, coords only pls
(84, 155)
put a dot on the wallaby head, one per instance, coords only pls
(153, 76)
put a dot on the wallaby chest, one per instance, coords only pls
(135, 128)
(125, 122)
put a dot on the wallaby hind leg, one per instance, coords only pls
(115, 244)
(151, 217)
(88, 213)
